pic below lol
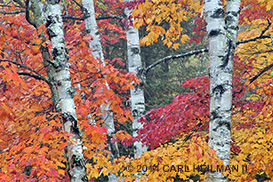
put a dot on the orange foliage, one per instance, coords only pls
(32, 142)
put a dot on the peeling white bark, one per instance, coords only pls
(222, 30)
(137, 94)
(95, 44)
(77, 169)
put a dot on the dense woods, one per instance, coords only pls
(136, 90)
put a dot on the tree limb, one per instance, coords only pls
(265, 69)
(20, 3)
(145, 71)
(87, 78)
(103, 17)
(74, 17)
(254, 39)
(12, 13)
(77, 3)
(30, 21)
(269, 24)
(41, 77)
(4, 5)
(173, 57)
(37, 77)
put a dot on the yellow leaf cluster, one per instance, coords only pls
(163, 20)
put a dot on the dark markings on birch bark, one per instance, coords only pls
(59, 82)
(219, 13)
(67, 117)
(233, 13)
(74, 127)
(48, 22)
(50, 34)
(59, 54)
(214, 32)
(97, 33)
(135, 113)
(77, 161)
(219, 89)
(53, 1)
(214, 115)
(55, 52)
(226, 58)
(135, 50)
(141, 73)
(71, 91)
(223, 123)
(230, 16)
(139, 86)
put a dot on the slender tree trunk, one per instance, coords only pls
(95, 44)
(222, 32)
(137, 94)
(77, 169)
(37, 22)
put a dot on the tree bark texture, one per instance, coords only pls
(54, 24)
(222, 28)
(137, 93)
(38, 15)
(95, 45)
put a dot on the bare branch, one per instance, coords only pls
(74, 17)
(87, 78)
(262, 36)
(77, 3)
(254, 39)
(20, 3)
(103, 17)
(265, 69)
(187, 54)
(12, 12)
(262, 52)
(5, 5)
(269, 24)
(30, 21)
(65, 8)
(37, 77)
(41, 77)
(145, 71)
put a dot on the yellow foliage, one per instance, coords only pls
(159, 12)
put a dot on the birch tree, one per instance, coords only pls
(95, 44)
(137, 93)
(222, 28)
(38, 19)
(77, 169)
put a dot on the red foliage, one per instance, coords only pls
(182, 116)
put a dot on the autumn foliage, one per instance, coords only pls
(32, 142)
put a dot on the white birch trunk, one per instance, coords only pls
(222, 33)
(137, 94)
(77, 169)
(95, 44)
(38, 19)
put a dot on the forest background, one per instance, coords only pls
(175, 79)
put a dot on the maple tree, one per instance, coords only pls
(86, 77)
(163, 117)
(36, 122)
